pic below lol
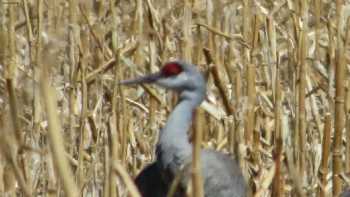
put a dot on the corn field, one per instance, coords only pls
(278, 92)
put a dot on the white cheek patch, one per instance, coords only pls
(180, 81)
(182, 78)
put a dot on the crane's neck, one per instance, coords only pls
(173, 146)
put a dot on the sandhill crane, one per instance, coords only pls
(222, 176)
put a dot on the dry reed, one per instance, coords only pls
(277, 77)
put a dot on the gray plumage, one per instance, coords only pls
(345, 193)
(222, 176)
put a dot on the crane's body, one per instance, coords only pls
(345, 193)
(222, 176)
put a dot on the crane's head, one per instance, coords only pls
(176, 75)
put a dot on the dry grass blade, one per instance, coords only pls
(302, 54)
(217, 81)
(339, 103)
(56, 139)
(197, 180)
(347, 104)
(326, 143)
(119, 170)
(9, 152)
(277, 183)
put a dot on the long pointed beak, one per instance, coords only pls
(144, 79)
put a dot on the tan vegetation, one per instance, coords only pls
(278, 92)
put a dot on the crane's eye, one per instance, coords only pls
(171, 69)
